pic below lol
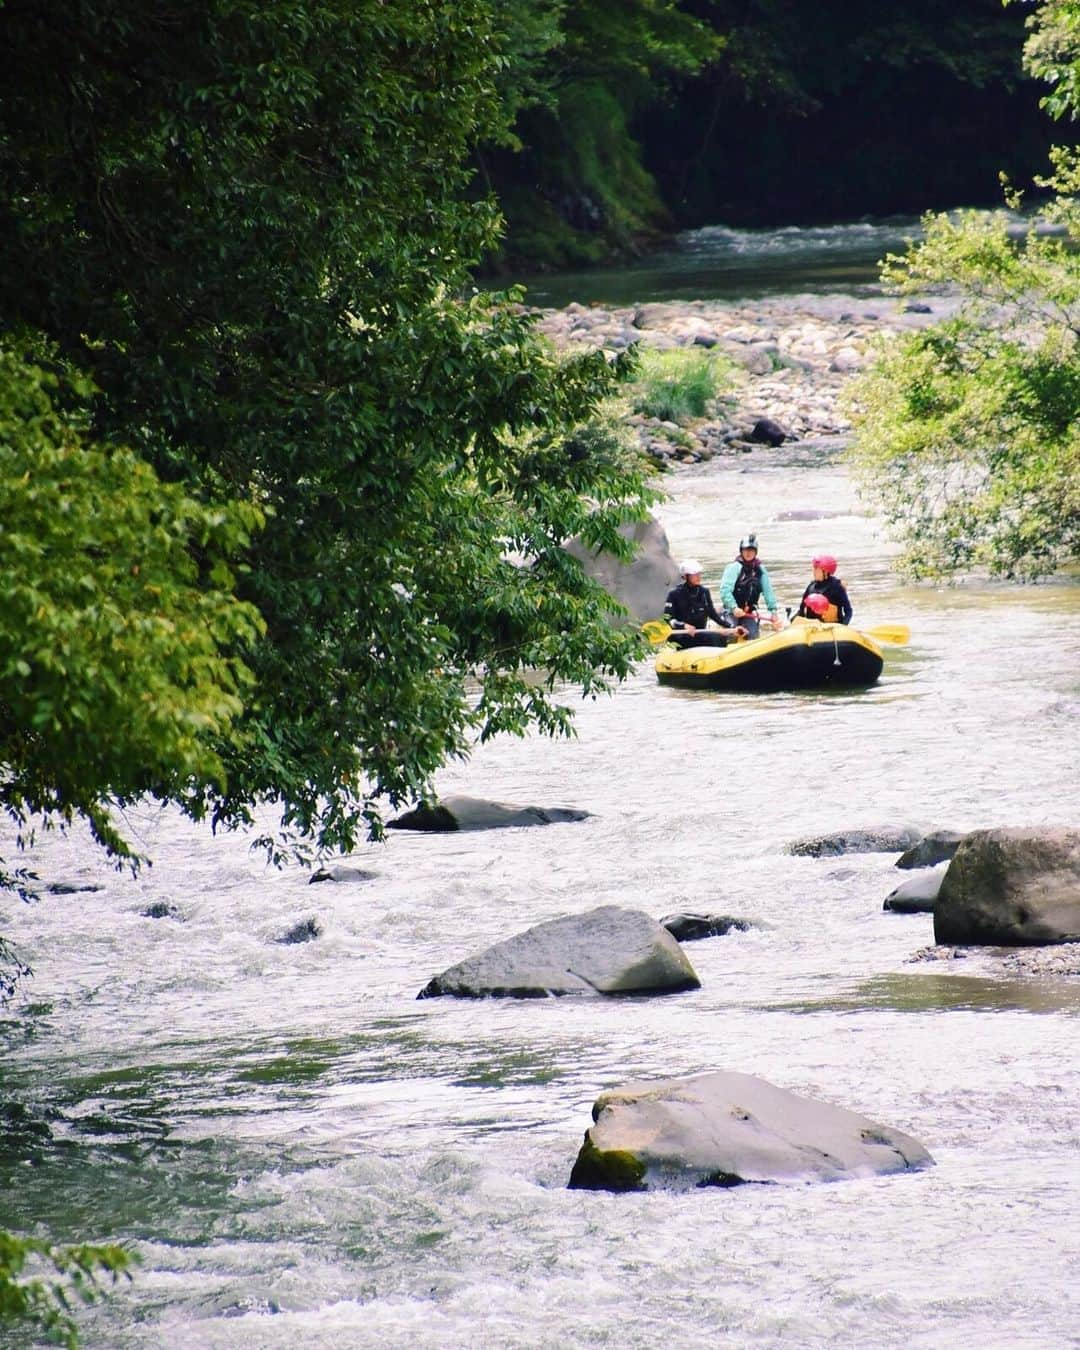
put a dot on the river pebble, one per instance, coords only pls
(793, 356)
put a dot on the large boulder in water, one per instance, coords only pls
(476, 813)
(919, 894)
(724, 1129)
(872, 839)
(609, 950)
(1011, 888)
(934, 848)
(641, 585)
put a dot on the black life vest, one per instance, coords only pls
(747, 588)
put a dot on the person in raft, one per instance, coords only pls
(825, 598)
(689, 607)
(743, 584)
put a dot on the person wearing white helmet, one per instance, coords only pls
(744, 583)
(689, 607)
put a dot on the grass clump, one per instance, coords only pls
(679, 385)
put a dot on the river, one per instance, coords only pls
(304, 1155)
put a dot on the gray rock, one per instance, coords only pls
(476, 813)
(810, 513)
(1011, 888)
(71, 887)
(931, 849)
(872, 839)
(608, 950)
(693, 927)
(344, 874)
(724, 1129)
(640, 585)
(918, 894)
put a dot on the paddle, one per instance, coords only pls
(896, 633)
(657, 631)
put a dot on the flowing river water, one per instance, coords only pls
(302, 1154)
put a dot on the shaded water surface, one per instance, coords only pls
(303, 1154)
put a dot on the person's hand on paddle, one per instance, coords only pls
(774, 619)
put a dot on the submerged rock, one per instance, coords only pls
(476, 813)
(871, 839)
(1011, 888)
(725, 1129)
(71, 887)
(160, 909)
(307, 930)
(934, 848)
(918, 894)
(693, 927)
(608, 950)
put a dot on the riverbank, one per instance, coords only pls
(792, 357)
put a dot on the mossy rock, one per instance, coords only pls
(614, 1169)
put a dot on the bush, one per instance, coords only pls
(678, 385)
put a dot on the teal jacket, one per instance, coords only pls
(728, 581)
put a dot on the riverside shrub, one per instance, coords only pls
(676, 386)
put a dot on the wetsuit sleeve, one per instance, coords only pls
(727, 585)
(767, 592)
(843, 604)
(672, 607)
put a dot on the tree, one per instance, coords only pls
(244, 222)
(569, 174)
(119, 667)
(968, 432)
(47, 1302)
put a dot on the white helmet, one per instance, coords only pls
(690, 567)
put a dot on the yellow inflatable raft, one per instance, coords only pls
(807, 655)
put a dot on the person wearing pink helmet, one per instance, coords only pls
(828, 588)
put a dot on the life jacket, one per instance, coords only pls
(832, 613)
(747, 588)
(690, 604)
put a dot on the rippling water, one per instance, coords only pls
(720, 262)
(303, 1154)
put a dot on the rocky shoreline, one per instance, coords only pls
(793, 355)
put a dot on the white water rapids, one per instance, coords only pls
(304, 1155)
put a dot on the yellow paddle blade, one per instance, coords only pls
(896, 633)
(656, 630)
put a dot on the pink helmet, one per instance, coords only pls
(816, 603)
(825, 561)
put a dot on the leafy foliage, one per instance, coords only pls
(969, 432)
(119, 672)
(47, 1303)
(573, 184)
(678, 385)
(245, 224)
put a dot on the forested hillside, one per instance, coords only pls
(634, 117)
